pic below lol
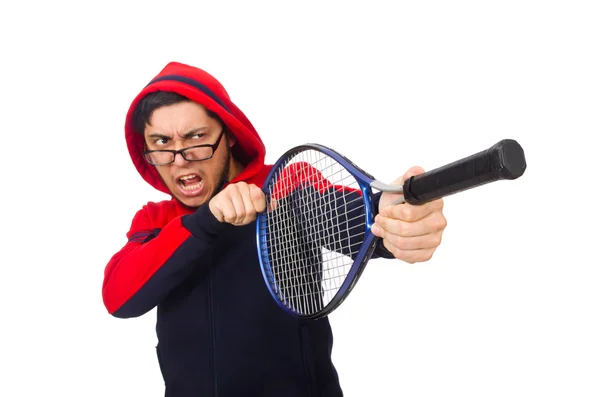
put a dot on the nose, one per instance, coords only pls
(179, 160)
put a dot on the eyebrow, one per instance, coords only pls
(186, 135)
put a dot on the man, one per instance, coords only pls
(194, 257)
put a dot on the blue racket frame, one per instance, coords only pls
(505, 160)
(364, 180)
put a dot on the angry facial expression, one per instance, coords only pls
(180, 126)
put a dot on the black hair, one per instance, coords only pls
(151, 102)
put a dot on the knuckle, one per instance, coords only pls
(259, 198)
(440, 203)
(380, 222)
(403, 229)
(229, 216)
(231, 187)
(399, 242)
(401, 254)
(406, 212)
(229, 193)
(397, 252)
(240, 187)
(428, 254)
(425, 255)
(253, 213)
(240, 215)
(442, 222)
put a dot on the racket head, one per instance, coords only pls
(309, 262)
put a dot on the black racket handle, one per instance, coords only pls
(504, 160)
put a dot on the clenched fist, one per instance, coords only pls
(412, 233)
(238, 203)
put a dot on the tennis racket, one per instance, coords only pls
(315, 238)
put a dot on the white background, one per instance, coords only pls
(508, 306)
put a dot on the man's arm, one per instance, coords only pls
(155, 260)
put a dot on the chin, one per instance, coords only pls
(192, 202)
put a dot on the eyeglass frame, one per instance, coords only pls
(213, 146)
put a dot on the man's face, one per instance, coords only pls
(187, 124)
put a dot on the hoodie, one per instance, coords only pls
(219, 331)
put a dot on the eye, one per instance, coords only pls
(161, 141)
(197, 136)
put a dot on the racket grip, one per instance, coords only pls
(504, 160)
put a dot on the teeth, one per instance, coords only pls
(192, 187)
(186, 177)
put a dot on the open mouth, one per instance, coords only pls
(190, 185)
(190, 182)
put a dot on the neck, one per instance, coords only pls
(235, 168)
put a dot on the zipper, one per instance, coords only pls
(213, 333)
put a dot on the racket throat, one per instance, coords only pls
(384, 187)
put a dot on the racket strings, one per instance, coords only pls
(284, 255)
(313, 168)
(314, 230)
(289, 227)
(307, 278)
(336, 277)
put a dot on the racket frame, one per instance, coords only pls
(505, 160)
(365, 182)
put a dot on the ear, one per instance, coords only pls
(231, 139)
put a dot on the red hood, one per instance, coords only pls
(201, 87)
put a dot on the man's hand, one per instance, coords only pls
(411, 233)
(238, 204)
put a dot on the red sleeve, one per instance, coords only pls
(302, 173)
(158, 256)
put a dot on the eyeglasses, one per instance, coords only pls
(191, 153)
